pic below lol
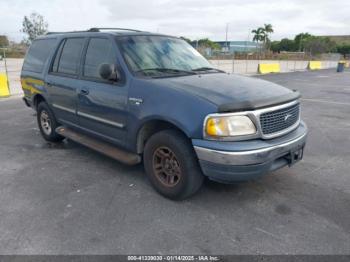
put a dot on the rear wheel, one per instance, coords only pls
(171, 165)
(47, 123)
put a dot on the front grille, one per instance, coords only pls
(279, 120)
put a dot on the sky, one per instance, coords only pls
(190, 18)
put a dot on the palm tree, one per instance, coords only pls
(258, 34)
(267, 29)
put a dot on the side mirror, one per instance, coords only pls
(109, 72)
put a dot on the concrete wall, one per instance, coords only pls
(251, 66)
(14, 70)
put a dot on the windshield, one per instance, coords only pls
(160, 55)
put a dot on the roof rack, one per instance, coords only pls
(98, 29)
(70, 32)
(95, 29)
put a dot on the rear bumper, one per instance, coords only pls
(245, 160)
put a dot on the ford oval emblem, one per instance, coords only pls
(286, 117)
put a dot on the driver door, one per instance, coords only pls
(102, 104)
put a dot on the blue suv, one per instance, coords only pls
(137, 96)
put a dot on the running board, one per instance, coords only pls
(100, 146)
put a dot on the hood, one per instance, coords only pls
(232, 92)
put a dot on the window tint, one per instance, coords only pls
(100, 51)
(69, 58)
(38, 54)
(57, 58)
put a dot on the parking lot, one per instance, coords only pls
(66, 199)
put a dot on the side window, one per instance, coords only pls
(68, 56)
(57, 58)
(99, 51)
(38, 54)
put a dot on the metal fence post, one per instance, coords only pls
(233, 63)
(246, 64)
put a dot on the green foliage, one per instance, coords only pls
(275, 46)
(261, 34)
(34, 26)
(305, 42)
(206, 43)
(300, 40)
(3, 41)
(343, 49)
(318, 45)
(284, 45)
(202, 43)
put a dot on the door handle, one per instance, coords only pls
(84, 91)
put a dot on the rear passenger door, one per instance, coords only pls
(102, 104)
(62, 80)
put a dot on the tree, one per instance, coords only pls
(300, 40)
(258, 35)
(267, 29)
(202, 43)
(4, 41)
(343, 49)
(261, 34)
(34, 26)
(275, 46)
(284, 45)
(287, 45)
(318, 45)
(207, 43)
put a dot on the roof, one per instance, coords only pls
(99, 31)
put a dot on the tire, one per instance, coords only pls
(171, 165)
(47, 123)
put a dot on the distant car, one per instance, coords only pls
(138, 96)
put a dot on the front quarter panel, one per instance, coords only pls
(159, 102)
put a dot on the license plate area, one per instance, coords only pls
(295, 155)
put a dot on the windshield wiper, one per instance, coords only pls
(207, 69)
(166, 70)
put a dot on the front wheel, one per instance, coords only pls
(171, 165)
(47, 123)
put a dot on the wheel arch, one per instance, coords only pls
(37, 99)
(152, 126)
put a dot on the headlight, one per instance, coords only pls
(228, 126)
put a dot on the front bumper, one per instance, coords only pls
(245, 160)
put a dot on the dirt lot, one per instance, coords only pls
(66, 199)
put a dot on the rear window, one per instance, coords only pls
(38, 54)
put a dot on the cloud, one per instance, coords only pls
(190, 18)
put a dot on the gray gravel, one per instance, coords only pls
(66, 199)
